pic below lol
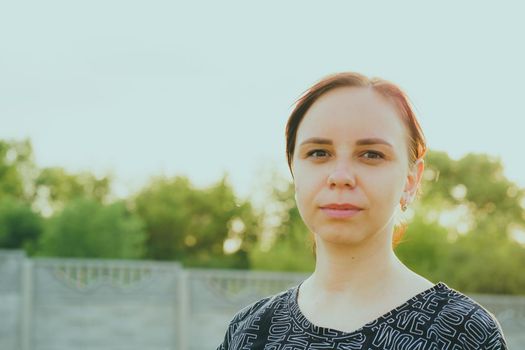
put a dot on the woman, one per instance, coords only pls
(355, 150)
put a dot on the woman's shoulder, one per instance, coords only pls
(461, 305)
(467, 321)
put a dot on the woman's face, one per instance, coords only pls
(351, 166)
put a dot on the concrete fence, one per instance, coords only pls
(59, 304)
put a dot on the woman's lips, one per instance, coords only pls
(341, 213)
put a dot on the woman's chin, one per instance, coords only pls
(339, 237)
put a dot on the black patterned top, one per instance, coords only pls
(439, 318)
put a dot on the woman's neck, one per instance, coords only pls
(356, 269)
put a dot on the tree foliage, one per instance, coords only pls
(464, 229)
(16, 169)
(469, 212)
(200, 227)
(20, 227)
(87, 228)
(288, 245)
(55, 188)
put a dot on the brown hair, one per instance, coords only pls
(417, 145)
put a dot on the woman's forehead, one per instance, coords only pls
(350, 114)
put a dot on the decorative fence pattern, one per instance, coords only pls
(88, 302)
(215, 296)
(59, 304)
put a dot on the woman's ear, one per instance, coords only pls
(413, 179)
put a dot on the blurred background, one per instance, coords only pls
(143, 178)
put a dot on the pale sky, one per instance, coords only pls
(200, 88)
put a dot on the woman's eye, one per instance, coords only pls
(373, 155)
(318, 153)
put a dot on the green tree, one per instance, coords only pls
(87, 228)
(288, 245)
(463, 224)
(49, 189)
(17, 169)
(55, 188)
(20, 227)
(199, 227)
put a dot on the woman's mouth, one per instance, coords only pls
(341, 212)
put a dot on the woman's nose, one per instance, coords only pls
(341, 177)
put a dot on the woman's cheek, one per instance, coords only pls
(303, 197)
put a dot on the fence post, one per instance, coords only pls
(182, 308)
(26, 335)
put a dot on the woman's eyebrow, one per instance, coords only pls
(373, 141)
(317, 141)
(361, 142)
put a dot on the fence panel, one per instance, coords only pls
(59, 304)
(215, 296)
(104, 304)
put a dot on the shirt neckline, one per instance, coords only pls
(300, 319)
